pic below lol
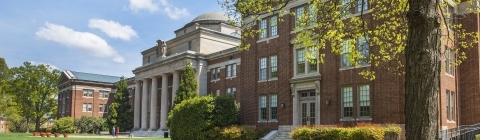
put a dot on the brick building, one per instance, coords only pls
(278, 88)
(85, 94)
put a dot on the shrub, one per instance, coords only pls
(225, 111)
(362, 132)
(63, 125)
(205, 117)
(89, 124)
(191, 118)
(241, 133)
(477, 137)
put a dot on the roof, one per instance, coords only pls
(94, 77)
(219, 16)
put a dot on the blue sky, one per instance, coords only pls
(94, 36)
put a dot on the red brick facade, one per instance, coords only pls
(386, 92)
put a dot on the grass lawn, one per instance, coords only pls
(29, 136)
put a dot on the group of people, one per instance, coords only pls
(115, 131)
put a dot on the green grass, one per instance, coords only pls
(29, 136)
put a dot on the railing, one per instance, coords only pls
(464, 132)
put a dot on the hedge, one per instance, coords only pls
(241, 133)
(63, 125)
(477, 137)
(372, 132)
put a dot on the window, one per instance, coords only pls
(215, 73)
(263, 28)
(68, 108)
(450, 105)
(312, 15)
(234, 92)
(364, 100)
(100, 107)
(300, 61)
(273, 66)
(268, 27)
(87, 107)
(263, 68)
(363, 48)
(229, 91)
(345, 52)
(347, 102)
(148, 59)
(273, 26)
(87, 93)
(273, 107)
(345, 9)
(104, 94)
(189, 45)
(450, 62)
(312, 60)
(299, 11)
(263, 107)
(106, 108)
(231, 70)
(362, 5)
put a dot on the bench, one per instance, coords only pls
(104, 133)
(125, 133)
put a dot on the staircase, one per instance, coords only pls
(141, 133)
(283, 133)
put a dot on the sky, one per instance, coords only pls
(93, 36)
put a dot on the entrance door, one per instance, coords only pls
(308, 112)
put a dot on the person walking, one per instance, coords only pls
(116, 131)
(113, 131)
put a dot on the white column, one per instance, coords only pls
(175, 84)
(144, 104)
(296, 110)
(153, 104)
(163, 110)
(136, 113)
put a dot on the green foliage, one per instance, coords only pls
(33, 88)
(477, 137)
(368, 132)
(241, 133)
(194, 113)
(225, 111)
(17, 123)
(89, 124)
(120, 113)
(188, 88)
(204, 117)
(63, 125)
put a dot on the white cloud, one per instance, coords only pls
(51, 66)
(88, 42)
(175, 13)
(167, 8)
(112, 28)
(137, 5)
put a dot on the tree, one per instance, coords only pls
(394, 29)
(33, 88)
(6, 99)
(188, 88)
(120, 110)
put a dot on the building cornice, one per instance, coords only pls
(197, 31)
(223, 53)
(169, 59)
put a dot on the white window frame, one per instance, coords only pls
(263, 29)
(100, 108)
(364, 100)
(273, 25)
(86, 92)
(361, 7)
(347, 101)
(300, 53)
(273, 107)
(84, 107)
(105, 108)
(273, 66)
(298, 10)
(263, 68)
(262, 105)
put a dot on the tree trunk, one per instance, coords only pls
(422, 70)
(28, 124)
(37, 123)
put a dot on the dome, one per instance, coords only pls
(211, 16)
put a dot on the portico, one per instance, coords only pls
(159, 77)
